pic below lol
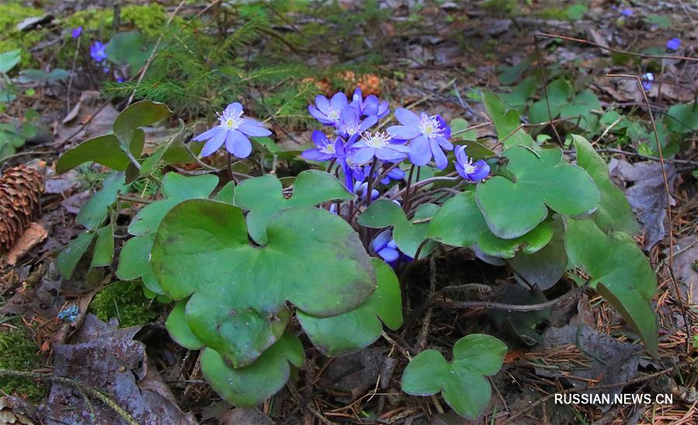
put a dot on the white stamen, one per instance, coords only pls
(376, 140)
(430, 127)
(334, 114)
(328, 149)
(231, 119)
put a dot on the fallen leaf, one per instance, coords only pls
(32, 236)
(251, 416)
(644, 188)
(685, 260)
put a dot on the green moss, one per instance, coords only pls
(19, 352)
(148, 19)
(11, 15)
(125, 302)
(501, 7)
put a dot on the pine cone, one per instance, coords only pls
(20, 188)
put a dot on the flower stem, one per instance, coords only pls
(230, 168)
(369, 186)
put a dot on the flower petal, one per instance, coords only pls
(318, 115)
(362, 156)
(421, 153)
(444, 143)
(208, 134)
(315, 155)
(381, 240)
(322, 104)
(405, 132)
(234, 107)
(389, 254)
(483, 170)
(387, 154)
(368, 123)
(253, 130)
(339, 101)
(406, 117)
(214, 143)
(239, 145)
(439, 157)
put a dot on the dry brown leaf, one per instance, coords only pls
(32, 236)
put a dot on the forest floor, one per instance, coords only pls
(436, 55)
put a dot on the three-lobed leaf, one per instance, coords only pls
(506, 122)
(312, 259)
(542, 180)
(462, 382)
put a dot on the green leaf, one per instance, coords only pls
(462, 382)
(41, 76)
(179, 330)
(68, 258)
(408, 234)
(140, 114)
(97, 208)
(313, 259)
(104, 150)
(682, 118)
(614, 211)
(129, 48)
(103, 253)
(460, 222)
(8, 60)
(134, 263)
(506, 122)
(312, 187)
(543, 268)
(521, 324)
(357, 329)
(250, 386)
(619, 271)
(512, 209)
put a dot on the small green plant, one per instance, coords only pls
(20, 353)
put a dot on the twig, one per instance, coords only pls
(639, 155)
(512, 419)
(545, 89)
(422, 338)
(679, 296)
(511, 307)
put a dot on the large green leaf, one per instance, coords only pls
(313, 259)
(682, 118)
(263, 196)
(179, 330)
(614, 211)
(134, 261)
(459, 222)
(140, 114)
(462, 382)
(506, 122)
(104, 150)
(357, 329)
(103, 252)
(129, 48)
(408, 234)
(97, 208)
(9, 59)
(619, 271)
(68, 258)
(251, 385)
(543, 268)
(513, 208)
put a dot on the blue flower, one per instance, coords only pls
(428, 135)
(361, 191)
(233, 131)
(469, 171)
(385, 247)
(326, 111)
(326, 149)
(673, 44)
(76, 32)
(371, 105)
(395, 174)
(626, 12)
(97, 51)
(379, 145)
(647, 81)
(351, 125)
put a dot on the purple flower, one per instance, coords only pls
(647, 81)
(326, 149)
(97, 51)
(395, 174)
(351, 126)
(326, 111)
(361, 191)
(469, 171)
(369, 106)
(428, 135)
(673, 44)
(233, 131)
(380, 145)
(76, 32)
(626, 12)
(385, 247)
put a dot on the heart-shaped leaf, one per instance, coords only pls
(313, 259)
(129, 48)
(140, 114)
(462, 382)
(251, 385)
(408, 234)
(104, 150)
(614, 211)
(357, 329)
(514, 208)
(103, 253)
(543, 268)
(68, 258)
(619, 271)
(311, 187)
(97, 208)
(459, 222)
